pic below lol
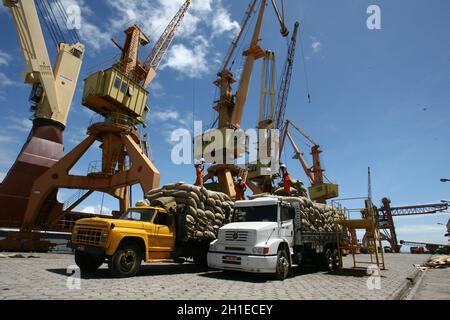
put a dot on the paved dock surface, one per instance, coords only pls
(46, 278)
(433, 285)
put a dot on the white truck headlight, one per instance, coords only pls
(261, 250)
(213, 247)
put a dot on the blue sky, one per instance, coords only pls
(379, 97)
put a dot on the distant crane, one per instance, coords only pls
(319, 190)
(386, 222)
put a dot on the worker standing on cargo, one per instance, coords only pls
(199, 170)
(287, 180)
(240, 187)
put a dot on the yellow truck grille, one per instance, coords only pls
(88, 236)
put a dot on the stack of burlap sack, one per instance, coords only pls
(206, 211)
(316, 217)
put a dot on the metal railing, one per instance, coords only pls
(97, 167)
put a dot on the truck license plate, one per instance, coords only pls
(231, 258)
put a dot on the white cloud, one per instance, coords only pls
(6, 138)
(156, 89)
(5, 58)
(6, 157)
(75, 135)
(19, 124)
(89, 33)
(165, 115)
(2, 176)
(316, 46)
(190, 55)
(190, 62)
(97, 210)
(222, 23)
(6, 81)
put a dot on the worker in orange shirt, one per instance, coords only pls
(199, 170)
(240, 188)
(287, 180)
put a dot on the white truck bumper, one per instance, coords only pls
(246, 263)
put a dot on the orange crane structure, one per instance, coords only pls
(119, 95)
(230, 106)
(319, 190)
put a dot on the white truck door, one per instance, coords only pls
(287, 214)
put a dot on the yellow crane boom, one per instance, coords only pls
(53, 88)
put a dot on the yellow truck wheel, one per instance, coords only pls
(88, 262)
(126, 261)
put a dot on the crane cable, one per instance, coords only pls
(243, 41)
(63, 14)
(304, 63)
(54, 14)
(50, 27)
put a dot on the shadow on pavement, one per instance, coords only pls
(238, 276)
(146, 270)
(352, 272)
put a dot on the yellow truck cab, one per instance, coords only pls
(143, 233)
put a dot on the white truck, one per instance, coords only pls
(266, 236)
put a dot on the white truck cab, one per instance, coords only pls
(265, 237)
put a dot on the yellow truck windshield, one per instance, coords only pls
(144, 215)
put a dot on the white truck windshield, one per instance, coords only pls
(256, 214)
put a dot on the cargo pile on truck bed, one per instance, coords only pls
(315, 217)
(204, 211)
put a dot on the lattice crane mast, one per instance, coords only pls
(285, 85)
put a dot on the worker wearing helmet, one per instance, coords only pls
(240, 188)
(199, 170)
(267, 184)
(287, 180)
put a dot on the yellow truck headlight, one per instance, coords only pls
(105, 236)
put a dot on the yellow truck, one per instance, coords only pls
(146, 233)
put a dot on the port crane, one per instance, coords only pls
(53, 87)
(272, 117)
(230, 105)
(119, 95)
